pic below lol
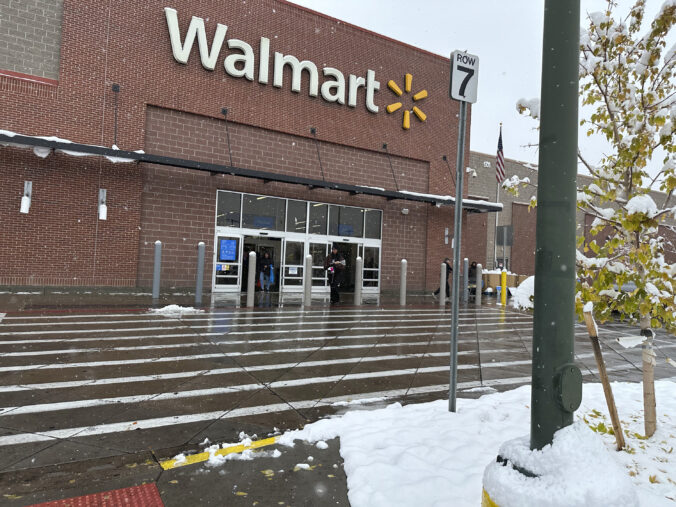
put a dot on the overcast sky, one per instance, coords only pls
(505, 34)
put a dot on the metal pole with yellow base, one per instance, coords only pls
(486, 500)
(503, 290)
(556, 387)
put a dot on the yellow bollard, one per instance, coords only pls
(503, 293)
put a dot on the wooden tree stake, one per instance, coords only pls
(610, 399)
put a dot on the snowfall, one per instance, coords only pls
(422, 454)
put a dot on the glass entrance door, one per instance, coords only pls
(292, 276)
(371, 268)
(228, 263)
(319, 251)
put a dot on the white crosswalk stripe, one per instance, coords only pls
(102, 429)
(58, 373)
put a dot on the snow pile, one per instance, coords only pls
(576, 470)
(175, 311)
(421, 454)
(217, 457)
(629, 342)
(522, 298)
(359, 401)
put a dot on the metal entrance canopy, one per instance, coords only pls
(17, 140)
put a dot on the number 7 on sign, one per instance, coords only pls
(464, 76)
(470, 73)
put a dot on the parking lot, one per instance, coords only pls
(90, 386)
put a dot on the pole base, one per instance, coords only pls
(486, 500)
(575, 470)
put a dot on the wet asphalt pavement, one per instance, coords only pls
(93, 398)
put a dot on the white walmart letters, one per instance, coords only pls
(241, 62)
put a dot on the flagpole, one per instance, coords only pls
(495, 230)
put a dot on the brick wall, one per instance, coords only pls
(61, 241)
(127, 43)
(484, 186)
(668, 232)
(30, 36)
(523, 247)
(179, 205)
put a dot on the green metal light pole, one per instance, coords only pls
(557, 382)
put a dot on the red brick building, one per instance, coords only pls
(297, 162)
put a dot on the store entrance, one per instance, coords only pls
(349, 252)
(272, 246)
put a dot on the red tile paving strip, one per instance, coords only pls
(145, 495)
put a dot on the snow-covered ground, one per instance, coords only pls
(175, 311)
(522, 298)
(421, 454)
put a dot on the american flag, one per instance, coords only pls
(500, 161)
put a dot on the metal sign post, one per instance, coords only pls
(464, 74)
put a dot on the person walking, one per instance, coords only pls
(449, 270)
(335, 265)
(266, 271)
(473, 283)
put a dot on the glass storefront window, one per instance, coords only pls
(294, 253)
(319, 251)
(296, 216)
(371, 260)
(373, 219)
(318, 218)
(293, 260)
(227, 261)
(228, 209)
(371, 278)
(262, 212)
(346, 221)
(291, 222)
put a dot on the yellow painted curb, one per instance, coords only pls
(486, 500)
(204, 456)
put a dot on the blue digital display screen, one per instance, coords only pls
(345, 230)
(227, 250)
(263, 222)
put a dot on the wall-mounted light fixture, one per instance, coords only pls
(103, 209)
(404, 211)
(26, 198)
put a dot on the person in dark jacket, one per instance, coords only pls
(449, 270)
(471, 278)
(335, 265)
(471, 274)
(265, 270)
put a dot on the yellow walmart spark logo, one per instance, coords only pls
(408, 81)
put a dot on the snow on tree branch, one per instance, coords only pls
(529, 106)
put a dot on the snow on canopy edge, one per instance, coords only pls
(43, 152)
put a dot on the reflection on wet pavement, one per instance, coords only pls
(80, 385)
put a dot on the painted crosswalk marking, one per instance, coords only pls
(141, 424)
(249, 321)
(356, 346)
(223, 371)
(297, 325)
(246, 313)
